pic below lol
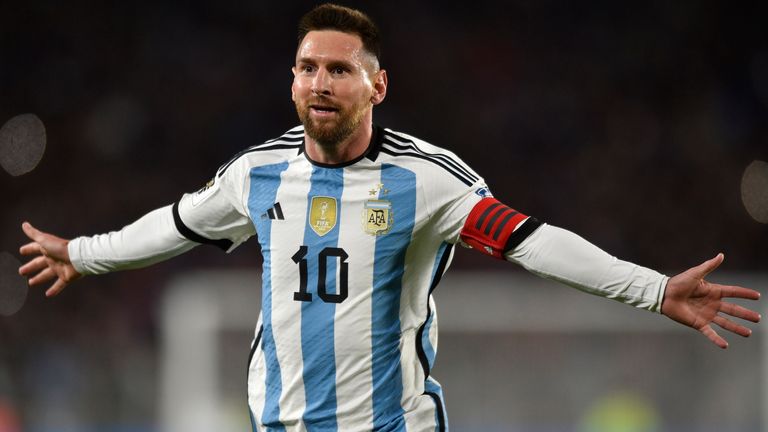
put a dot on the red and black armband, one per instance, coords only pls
(493, 228)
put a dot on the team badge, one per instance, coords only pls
(377, 217)
(322, 214)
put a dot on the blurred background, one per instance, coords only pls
(630, 123)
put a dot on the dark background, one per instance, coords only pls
(630, 123)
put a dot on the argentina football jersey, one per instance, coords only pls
(347, 333)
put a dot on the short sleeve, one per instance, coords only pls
(216, 214)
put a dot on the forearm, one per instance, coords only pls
(149, 240)
(561, 255)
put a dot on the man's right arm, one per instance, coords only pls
(151, 239)
(215, 214)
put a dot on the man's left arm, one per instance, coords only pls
(561, 255)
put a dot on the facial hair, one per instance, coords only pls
(330, 133)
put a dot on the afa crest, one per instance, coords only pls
(322, 214)
(377, 217)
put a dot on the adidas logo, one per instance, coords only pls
(276, 212)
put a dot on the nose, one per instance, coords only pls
(321, 83)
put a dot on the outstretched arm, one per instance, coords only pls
(697, 303)
(687, 298)
(213, 215)
(51, 260)
(151, 239)
(558, 254)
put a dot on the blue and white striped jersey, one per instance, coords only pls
(347, 333)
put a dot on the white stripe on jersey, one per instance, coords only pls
(353, 316)
(292, 401)
(414, 311)
(256, 373)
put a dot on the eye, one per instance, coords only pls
(307, 68)
(338, 70)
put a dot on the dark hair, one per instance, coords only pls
(331, 16)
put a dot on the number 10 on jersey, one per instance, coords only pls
(300, 258)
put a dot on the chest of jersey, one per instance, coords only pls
(350, 256)
(328, 233)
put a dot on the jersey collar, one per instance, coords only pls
(371, 153)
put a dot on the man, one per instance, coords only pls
(357, 224)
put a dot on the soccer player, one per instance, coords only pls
(357, 224)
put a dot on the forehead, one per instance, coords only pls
(330, 45)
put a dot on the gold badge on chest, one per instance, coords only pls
(377, 217)
(322, 214)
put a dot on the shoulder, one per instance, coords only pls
(438, 161)
(274, 150)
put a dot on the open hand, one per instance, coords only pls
(697, 303)
(50, 263)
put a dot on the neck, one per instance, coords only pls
(351, 148)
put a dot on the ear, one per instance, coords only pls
(379, 87)
(293, 83)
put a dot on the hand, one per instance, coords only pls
(692, 301)
(50, 262)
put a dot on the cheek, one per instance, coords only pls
(360, 92)
(298, 89)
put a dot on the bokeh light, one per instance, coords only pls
(13, 287)
(754, 190)
(22, 144)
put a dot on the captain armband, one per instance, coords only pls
(493, 228)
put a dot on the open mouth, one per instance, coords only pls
(323, 109)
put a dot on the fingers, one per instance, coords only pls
(739, 292)
(33, 266)
(51, 264)
(731, 326)
(33, 248)
(708, 266)
(44, 244)
(44, 276)
(56, 288)
(713, 336)
(740, 312)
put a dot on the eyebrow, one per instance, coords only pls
(331, 63)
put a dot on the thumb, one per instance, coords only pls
(32, 232)
(707, 267)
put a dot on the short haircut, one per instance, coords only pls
(331, 16)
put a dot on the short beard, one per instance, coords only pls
(329, 136)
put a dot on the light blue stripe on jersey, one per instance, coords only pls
(431, 386)
(317, 316)
(265, 181)
(429, 350)
(389, 265)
